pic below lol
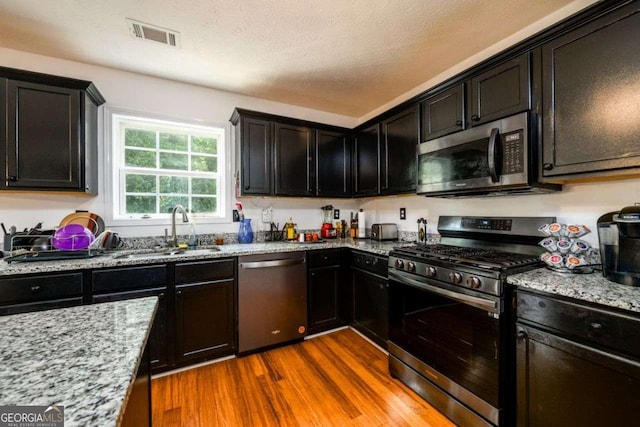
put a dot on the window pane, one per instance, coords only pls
(174, 161)
(167, 203)
(202, 204)
(141, 183)
(203, 186)
(141, 159)
(173, 141)
(204, 164)
(141, 204)
(139, 138)
(174, 184)
(204, 145)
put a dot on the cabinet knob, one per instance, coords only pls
(35, 288)
(178, 293)
(246, 187)
(12, 178)
(521, 335)
(458, 122)
(161, 295)
(475, 117)
(547, 166)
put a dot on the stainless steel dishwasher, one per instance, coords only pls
(272, 299)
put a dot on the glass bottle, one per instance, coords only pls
(245, 233)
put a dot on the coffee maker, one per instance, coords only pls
(619, 236)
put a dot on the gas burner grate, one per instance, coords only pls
(472, 256)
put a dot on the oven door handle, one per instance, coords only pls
(493, 155)
(482, 303)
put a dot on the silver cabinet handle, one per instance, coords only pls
(274, 263)
(493, 155)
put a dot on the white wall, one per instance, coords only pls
(164, 97)
(577, 203)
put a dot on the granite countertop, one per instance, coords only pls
(141, 257)
(587, 287)
(84, 358)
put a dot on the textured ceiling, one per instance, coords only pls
(343, 56)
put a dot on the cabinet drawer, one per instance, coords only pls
(105, 281)
(39, 306)
(612, 330)
(39, 288)
(204, 271)
(324, 258)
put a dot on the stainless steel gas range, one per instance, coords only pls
(449, 328)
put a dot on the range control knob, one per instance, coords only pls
(474, 282)
(455, 277)
(399, 263)
(431, 271)
(411, 267)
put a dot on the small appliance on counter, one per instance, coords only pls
(382, 232)
(327, 231)
(619, 237)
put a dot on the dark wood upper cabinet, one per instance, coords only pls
(591, 101)
(294, 153)
(333, 164)
(398, 160)
(366, 161)
(501, 91)
(255, 151)
(49, 132)
(443, 113)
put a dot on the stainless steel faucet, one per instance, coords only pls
(174, 237)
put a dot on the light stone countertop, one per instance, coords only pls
(586, 287)
(141, 257)
(84, 358)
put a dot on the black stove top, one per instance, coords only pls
(477, 257)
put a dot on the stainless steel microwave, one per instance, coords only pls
(495, 158)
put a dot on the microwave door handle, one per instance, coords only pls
(493, 154)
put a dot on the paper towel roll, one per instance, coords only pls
(361, 225)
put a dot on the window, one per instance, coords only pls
(157, 164)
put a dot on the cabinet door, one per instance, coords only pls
(501, 91)
(398, 162)
(591, 97)
(159, 343)
(333, 160)
(443, 113)
(204, 320)
(43, 143)
(324, 295)
(371, 306)
(255, 147)
(561, 383)
(294, 159)
(366, 152)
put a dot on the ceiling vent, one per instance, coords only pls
(140, 30)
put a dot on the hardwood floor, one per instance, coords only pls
(338, 379)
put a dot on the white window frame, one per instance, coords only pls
(113, 150)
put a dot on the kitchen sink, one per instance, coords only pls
(167, 252)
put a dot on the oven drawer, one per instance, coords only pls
(606, 328)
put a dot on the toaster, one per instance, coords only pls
(384, 232)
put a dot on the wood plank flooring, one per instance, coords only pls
(338, 379)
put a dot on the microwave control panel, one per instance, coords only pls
(512, 152)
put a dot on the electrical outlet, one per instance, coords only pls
(403, 213)
(267, 215)
(336, 214)
(236, 216)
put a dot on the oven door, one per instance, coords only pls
(455, 339)
(483, 158)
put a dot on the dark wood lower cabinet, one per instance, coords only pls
(371, 305)
(204, 320)
(324, 298)
(40, 292)
(576, 364)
